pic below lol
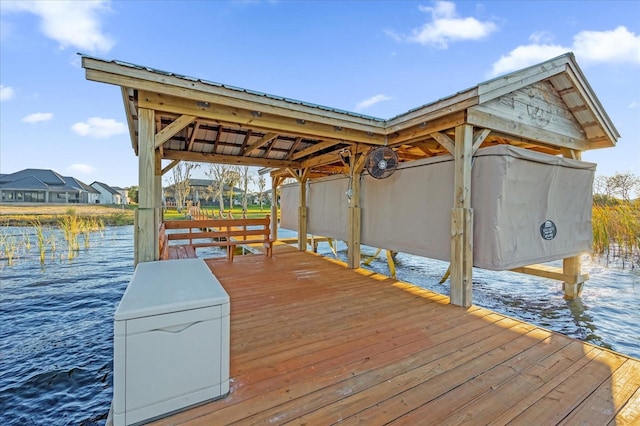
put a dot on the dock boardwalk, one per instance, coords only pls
(313, 342)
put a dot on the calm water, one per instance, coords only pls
(56, 321)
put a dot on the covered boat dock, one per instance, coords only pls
(548, 108)
(314, 341)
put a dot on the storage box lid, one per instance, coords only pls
(170, 286)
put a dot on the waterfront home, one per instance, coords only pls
(44, 186)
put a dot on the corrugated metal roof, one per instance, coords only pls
(46, 176)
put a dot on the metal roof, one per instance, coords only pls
(204, 121)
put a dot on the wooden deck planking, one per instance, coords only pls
(315, 343)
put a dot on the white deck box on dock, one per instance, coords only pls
(171, 345)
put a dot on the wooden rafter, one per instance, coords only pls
(293, 148)
(425, 129)
(428, 147)
(169, 167)
(260, 142)
(313, 149)
(172, 129)
(245, 141)
(217, 141)
(479, 137)
(203, 157)
(445, 141)
(269, 148)
(192, 139)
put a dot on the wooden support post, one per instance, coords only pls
(462, 219)
(275, 182)
(572, 266)
(355, 214)
(146, 244)
(157, 192)
(302, 216)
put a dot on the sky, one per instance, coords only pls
(379, 58)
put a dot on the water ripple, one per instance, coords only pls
(56, 320)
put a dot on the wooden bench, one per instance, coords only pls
(227, 233)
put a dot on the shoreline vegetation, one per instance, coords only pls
(26, 214)
(616, 225)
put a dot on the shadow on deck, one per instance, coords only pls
(313, 342)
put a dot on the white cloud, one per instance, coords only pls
(617, 46)
(540, 37)
(37, 117)
(6, 93)
(97, 127)
(371, 101)
(80, 168)
(70, 23)
(446, 26)
(634, 104)
(523, 56)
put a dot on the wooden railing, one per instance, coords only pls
(229, 233)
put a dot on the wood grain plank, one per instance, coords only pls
(313, 342)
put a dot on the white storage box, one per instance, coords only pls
(171, 345)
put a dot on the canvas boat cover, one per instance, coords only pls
(528, 207)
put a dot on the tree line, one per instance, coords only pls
(222, 176)
(612, 189)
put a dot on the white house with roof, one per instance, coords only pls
(44, 186)
(109, 194)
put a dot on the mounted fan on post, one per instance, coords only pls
(381, 162)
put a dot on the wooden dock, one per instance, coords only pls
(315, 343)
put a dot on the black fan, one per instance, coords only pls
(382, 162)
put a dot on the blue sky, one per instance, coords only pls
(377, 58)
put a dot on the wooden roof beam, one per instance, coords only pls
(445, 141)
(425, 128)
(169, 167)
(333, 156)
(246, 139)
(260, 142)
(204, 157)
(172, 129)
(192, 139)
(478, 138)
(256, 119)
(217, 141)
(293, 148)
(427, 146)
(313, 149)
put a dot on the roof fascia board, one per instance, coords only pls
(582, 85)
(458, 102)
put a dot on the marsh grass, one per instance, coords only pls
(41, 240)
(616, 232)
(8, 248)
(71, 226)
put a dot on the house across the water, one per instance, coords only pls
(48, 186)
